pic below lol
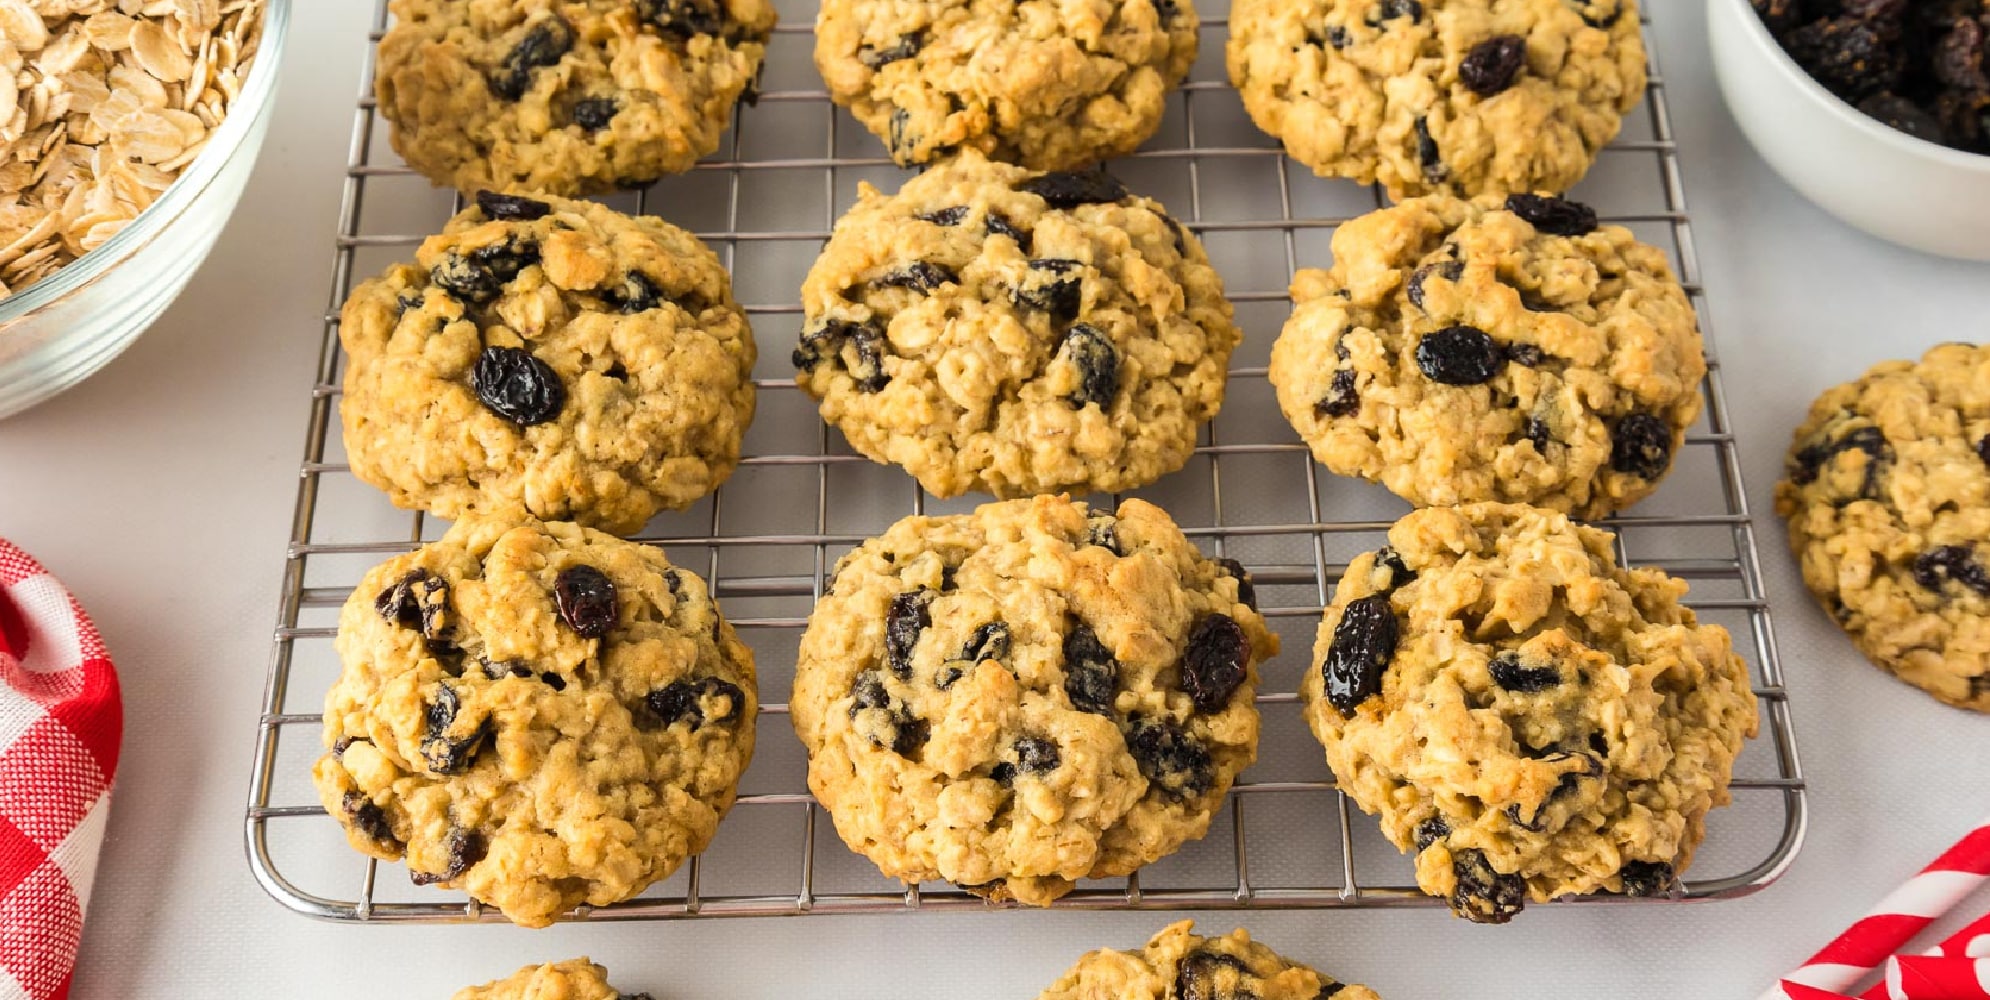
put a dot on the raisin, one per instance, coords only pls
(1061, 298)
(910, 615)
(1951, 562)
(1098, 366)
(637, 292)
(1091, 675)
(1811, 458)
(907, 46)
(895, 138)
(1329, 990)
(1552, 215)
(1428, 155)
(681, 701)
(586, 599)
(479, 276)
(1335, 37)
(511, 207)
(1201, 976)
(418, 600)
(1449, 270)
(369, 819)
(1215, 662)
(1958, 57)
(1364, 643)
(443, 753)
(920, 276)
(1602, 21)
(1646, 878)
(1852, 58)
(1491, 65)
(820, 344)
(1069, 189)
(1342, 398)
(544, 45)
(1459, 355)
(1483, 895)
(1536, 431)
(1036, 755)
(1389, 10)
(945, 216)
(899, 731)
(1180, 233)
(1399, 571)
(1172, 760)
(1430, 831)
(684, 19)
(1641, 445)
(464, 848)
(1902, 115)
(988, 642)
(513, 384)
(867, 341)
(1525, 355)
(595, 113)
(1102, 530)
(1510, 673)
(1245, 591)
(998, 225)
(1983, 448)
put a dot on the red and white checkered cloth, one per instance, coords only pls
(60, 724)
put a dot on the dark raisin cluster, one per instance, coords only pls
(1916, 65)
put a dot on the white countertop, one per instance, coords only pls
(161, 492)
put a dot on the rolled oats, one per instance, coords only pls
(102, 104)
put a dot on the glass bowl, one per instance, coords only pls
(62, 329)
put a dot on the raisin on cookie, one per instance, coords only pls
(548, 355)
(1529, 718)
(574, 979)
(1050, 85)
(1178, 964)
(564, 96)
(1887, 497)
(537, 714)
(1028, 695)
(1465, 97)
(992, 328)
(1505, 349)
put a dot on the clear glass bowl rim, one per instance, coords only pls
(220, 152)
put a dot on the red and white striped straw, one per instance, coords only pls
(1972, 941)
(1853, 955)
(1936, 977)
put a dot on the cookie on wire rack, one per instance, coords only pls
(993, 328)
(564, 96)
(1886, 492)
(1529, 718)
(536, 714)
(1028, 695)
(551, 356)
(1178, 964)
(1464, 97)
(574, 979)
(1509, 349)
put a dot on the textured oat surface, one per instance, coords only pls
(564, 96)
(1545, 723)
(985, 338)
(1887, 496)
(1178, 964)
(1595, 358)
(478, 735)
(635, 319)
(998, 699)
(1050, 85)
(574, 979)
(1375, 90)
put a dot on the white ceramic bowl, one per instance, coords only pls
(1913, 192)
(60, 330)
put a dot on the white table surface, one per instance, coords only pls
(161, 492)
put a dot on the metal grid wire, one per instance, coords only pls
(1286, 838)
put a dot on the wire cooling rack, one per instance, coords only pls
(1285, 838)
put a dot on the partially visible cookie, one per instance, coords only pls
(1465, 97)
(1180, 965)
(1887, 495)
(564, 96)
(991, 328)
(574, 979)
(551, 356)
(1505, 349)
(539, 715)
(1531, 719)
(1028, 695)
(1050, 85)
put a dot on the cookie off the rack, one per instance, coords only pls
(1028, 695)
(1178, 964)
(1887, 494)
(551, 356)
(537, 714)
(1531, 719)
(574, 979)
(1509, 349)
(992, 328)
